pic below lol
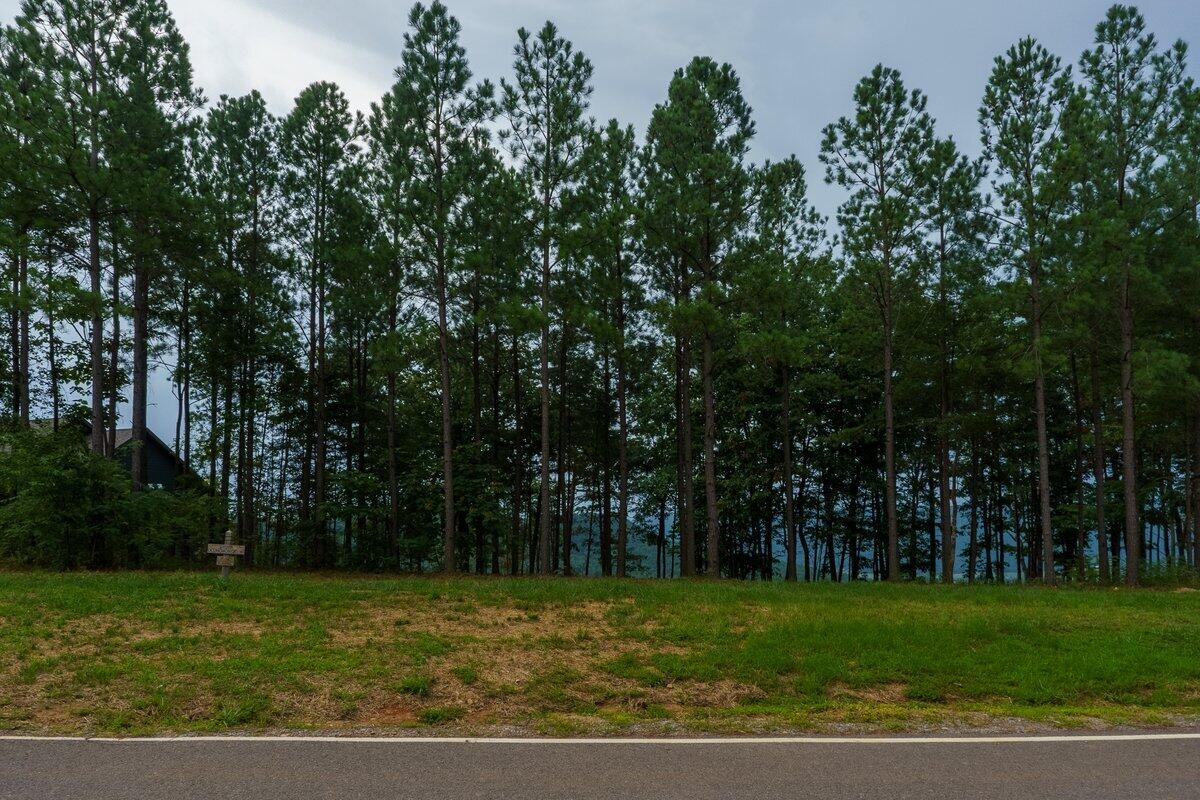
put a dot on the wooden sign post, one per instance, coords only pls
(226, 553)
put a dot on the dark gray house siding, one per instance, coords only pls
(163, 467)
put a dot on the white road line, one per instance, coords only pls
(484, 740)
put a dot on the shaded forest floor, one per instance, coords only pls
(159, 652)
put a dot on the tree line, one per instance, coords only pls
(472, 328)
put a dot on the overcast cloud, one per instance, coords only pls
(798, 61)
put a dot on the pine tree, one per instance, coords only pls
(605, 234)
(877, 155)
(545, 106)
(697, 178)
(439, 115)
(956, 228)
(241, 172)
(1021, 117)
(779, 291)
(318, 143)
(153, 118)
(1135, 110)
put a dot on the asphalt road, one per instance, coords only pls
(365, 770)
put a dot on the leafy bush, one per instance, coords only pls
(64, 507)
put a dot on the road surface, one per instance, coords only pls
(306, 769)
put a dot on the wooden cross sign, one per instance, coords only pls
(226, 553)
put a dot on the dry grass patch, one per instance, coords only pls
(149, 653)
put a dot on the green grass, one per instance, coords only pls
(154, 652)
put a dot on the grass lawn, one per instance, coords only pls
(156, 652)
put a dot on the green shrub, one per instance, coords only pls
(64, 507)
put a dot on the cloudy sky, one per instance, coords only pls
(798, 60)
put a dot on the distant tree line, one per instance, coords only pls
(473, 329)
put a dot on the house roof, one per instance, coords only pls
(123, 437)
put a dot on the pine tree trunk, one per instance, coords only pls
(114, 351)
(606, 555)
(97, 330)
(21, 352)
(1039, 412)
(226, 448)
(684, 470)
(622, 435)
(948, 524)
(473, 515)
(393, 481)
(449, 561)
(514, 548)
(973, 544)
(710, 459)
(141, 332)
(544, 542)
(561, 523)
(1133, 537)
(789, 520)
(1195, 483)
(889, 424)
(1080, 472)
(1103, 558)
(52, 345)
(497, 461)
(320, 434)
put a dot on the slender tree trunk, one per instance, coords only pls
(449, 561)
(187, 378)
(497, 462)
(889, 423)
(710, 459)
(141, 332)
(306, 464)
(798, 511)
(789, 521)
(562, 457)
(1001, 565)
(114, 350)
(973, 545)
(226, 447)
(948, 524)
(97, 328)
(211, 447)
(827, 491)
(852, 542)
(1103, 558)
(685, 472)
(320, 434)
(1039, 413)
(14, 336)
(544, 540)
(1133, 539)
(1195, 484)
(21, 348)
(1080, 472)
(393, 480)
(622, 436)
(606, 555)
(52, 334)
(514, 548)
(473, 515)
(181, 364)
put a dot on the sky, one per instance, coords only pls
(798, 61)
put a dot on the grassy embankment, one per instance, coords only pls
(157, 652)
